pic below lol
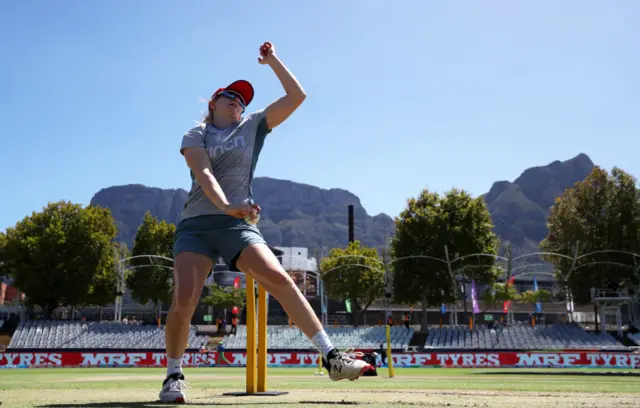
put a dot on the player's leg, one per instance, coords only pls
(258, 261)
(190, 272)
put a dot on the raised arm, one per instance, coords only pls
(280, 110)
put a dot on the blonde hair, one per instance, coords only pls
(209, 117)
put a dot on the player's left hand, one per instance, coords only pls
(267, 52)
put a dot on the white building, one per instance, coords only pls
(302, 268)
(296, 259)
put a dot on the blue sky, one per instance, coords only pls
(403, 97)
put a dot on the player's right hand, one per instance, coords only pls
(267, 52)
(243, 210)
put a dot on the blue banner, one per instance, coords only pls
(535, 289)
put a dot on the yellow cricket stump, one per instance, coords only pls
(392, 371)
(256, 374)
(262, 339)
(319, 372)
(251, 337)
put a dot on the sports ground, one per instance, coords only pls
(411, 387)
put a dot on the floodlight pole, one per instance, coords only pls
(453, 314)
(567, 290)
(510, 318)
(388, 281)
(120, 284)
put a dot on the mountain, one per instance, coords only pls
(519, 209)
(293, 214)
(128, 205)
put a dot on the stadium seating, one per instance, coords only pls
(110, 335)
(284, 337)
(93, 335)
(519, 337)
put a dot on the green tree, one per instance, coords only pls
(535, 296)
(63, 256)
(423, 228)
(103, 288)
(497, 293)
(601, 213)
(355, 273)
(150, 279)
(3, 245)
(225, 298)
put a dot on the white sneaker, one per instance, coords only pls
(341, 367)
(173, 389)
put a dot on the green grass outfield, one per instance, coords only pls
(138, 387)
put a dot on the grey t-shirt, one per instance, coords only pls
(234, 154)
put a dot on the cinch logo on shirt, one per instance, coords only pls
(233, 143)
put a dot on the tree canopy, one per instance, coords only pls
(535, 296)
(354, 273)
(225, 298)
(3, 245)
(150, 279)
(601, 213)
(423, 229)
(497, 293)
(63, 256)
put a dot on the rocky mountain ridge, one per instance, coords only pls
(297, 214)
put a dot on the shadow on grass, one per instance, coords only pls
(191, 402)
(563, 373)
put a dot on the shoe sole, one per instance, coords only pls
(178, 400)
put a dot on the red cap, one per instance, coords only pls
(242, 88)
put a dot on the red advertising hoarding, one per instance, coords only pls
(302, 359)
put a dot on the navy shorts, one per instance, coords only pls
(216, 235)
